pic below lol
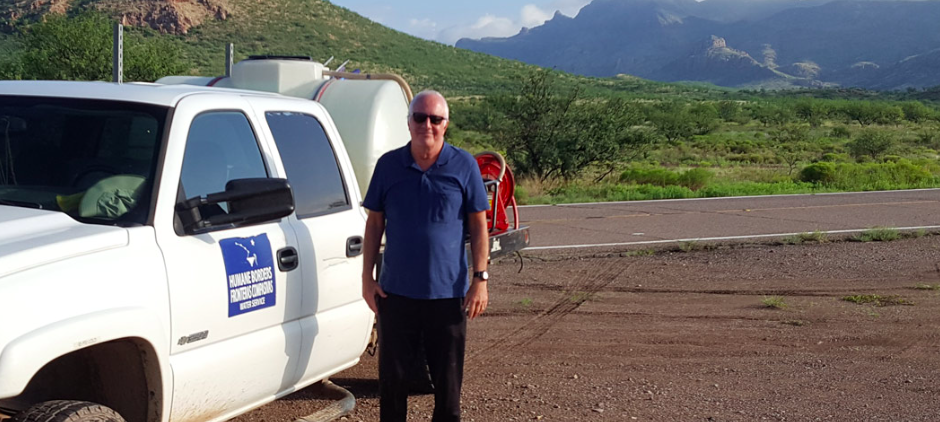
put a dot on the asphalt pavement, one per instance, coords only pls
(663, 221)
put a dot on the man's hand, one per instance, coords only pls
(369, 290)
(476, 300)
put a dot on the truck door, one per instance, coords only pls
(329, 224)
(234, 306)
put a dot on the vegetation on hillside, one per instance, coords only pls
(680, 148)
(568, 138)
(79, 48)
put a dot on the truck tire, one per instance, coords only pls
(68, 411)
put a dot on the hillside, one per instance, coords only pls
(821, 44)
(321, 30)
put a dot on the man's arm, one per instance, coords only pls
(477, 296)
(375, 228)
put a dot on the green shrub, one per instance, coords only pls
(835, 157)
(650, 176)
(840, 132)
(822, 172)
(774, 302)
(877, 300)
(878, 234)
(695, 179)
(871, 143)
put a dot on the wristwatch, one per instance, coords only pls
(482, 275)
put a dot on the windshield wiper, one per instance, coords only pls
(21, 203)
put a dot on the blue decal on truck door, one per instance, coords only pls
(249, 270)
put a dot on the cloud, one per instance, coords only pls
(532, 16)
(486, 26)
(490, 25)
(422, 23)
(424, 28)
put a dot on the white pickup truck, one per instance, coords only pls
(182, 253)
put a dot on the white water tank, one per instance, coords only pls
(371, 116)
(293, 77)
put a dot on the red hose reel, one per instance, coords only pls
(500, 185)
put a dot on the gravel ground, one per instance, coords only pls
(672, 335)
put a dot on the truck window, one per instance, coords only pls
(311, 164)
(221, 146)
(91, 159)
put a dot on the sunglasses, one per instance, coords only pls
(422, 117)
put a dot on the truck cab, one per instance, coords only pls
(156, 262)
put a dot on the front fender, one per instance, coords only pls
(27, 354)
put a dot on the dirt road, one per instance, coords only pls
(686, 336)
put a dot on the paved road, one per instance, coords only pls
(613, 223)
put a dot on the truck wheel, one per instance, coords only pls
(68, 411)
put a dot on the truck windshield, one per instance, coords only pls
(91, 159)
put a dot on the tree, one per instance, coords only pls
(672, 121)
(871, 143)
(772, 114)
(791, 146)
(79, 48)
(916, 111)
(704, 118)
(811, 111)
(730, 111)
(549, 132)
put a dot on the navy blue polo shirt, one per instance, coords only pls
(425, 221)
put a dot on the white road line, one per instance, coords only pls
(706, 239)
(731, 197)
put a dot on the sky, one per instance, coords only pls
(447, 21)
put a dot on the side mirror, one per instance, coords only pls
(250, 201)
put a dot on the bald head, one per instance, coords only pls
(432, 98)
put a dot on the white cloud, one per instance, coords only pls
(485, 26)
(422, 23)
(424, 28)
(532, 16)
(490, 25)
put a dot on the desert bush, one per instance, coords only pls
(656, 176)
(822, 172)
(840, 132)
(696, 178)
(871, 143)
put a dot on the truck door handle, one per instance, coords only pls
(354, 246)
(287, 259)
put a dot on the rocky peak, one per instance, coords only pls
(715, 42)
(167, 16)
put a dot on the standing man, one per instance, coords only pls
(424, 197)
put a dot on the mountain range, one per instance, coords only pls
(885, 45)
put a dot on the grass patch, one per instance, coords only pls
(694, 245)
(581, 297)
(878, 300)
(919, 233)
(774, 302)
(934, 287)
(525, 303)
(641, 252)
(816, 236)
(878, 234)
(795, 322)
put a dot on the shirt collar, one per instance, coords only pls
(447, 151)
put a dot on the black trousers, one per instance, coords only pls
(403, 322)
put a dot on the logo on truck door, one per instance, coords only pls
(249, 270)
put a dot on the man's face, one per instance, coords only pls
(426, 133)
